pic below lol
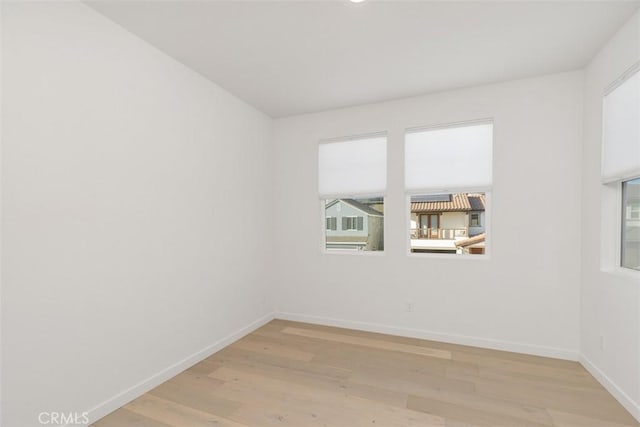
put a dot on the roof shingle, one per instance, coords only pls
(360, 206)
(462, 202)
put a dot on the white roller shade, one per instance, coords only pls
(621, 131)
(449, 158)
(354, 167)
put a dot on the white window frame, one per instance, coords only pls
(487, 227)
(611, 204)
(323, 201)
(488, 191)
(611, 232)
(323, 230)
(619, 243)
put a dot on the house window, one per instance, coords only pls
(630, 251)
(352, 179)
(621, 161)
(353, 223)
(332, 223)
(474, 219)
(440, 224)
(452, 157)
(361, 224)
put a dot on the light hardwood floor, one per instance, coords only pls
(295, 374)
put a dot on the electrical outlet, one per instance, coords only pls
(408, 306)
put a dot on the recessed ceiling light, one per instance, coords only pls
(356, 1)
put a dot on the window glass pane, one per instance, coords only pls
(448, 223)
(362, 224)
(475, 219)
(331, 223)
(631, 224)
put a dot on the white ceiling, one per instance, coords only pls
(292, 57)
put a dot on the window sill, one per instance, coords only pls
(623, 272)
(464, 257)
(352, 253)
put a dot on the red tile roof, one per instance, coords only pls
(462, 202)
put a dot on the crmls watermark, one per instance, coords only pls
(63, 418)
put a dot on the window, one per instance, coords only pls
(630, 251)
(445, 224)
(474, 219)
(621, 160)
(352, 179)
(438, 162)
(621, 134)
(361, 224)
(353, 223)
(332, 223)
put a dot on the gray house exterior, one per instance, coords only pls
(352, 225)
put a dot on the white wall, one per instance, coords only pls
(135, 211)
(610, 302)
(137, 219)
(525, 297)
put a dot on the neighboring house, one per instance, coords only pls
(353, 225)
(631, 242)
(439, 222)
(472, 245)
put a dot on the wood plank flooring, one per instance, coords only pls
(295, 374)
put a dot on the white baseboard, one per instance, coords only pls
(155, 380)
(557, 353)
(620, 396)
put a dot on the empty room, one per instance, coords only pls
(320, 213)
